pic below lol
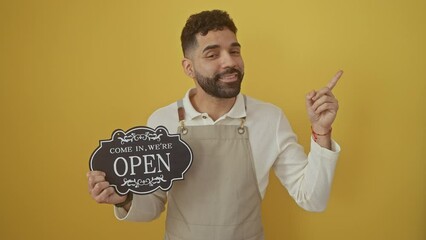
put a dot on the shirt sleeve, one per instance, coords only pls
(308, 179)
(144, 208)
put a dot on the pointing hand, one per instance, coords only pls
(322, 106)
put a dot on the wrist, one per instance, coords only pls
(321, 132)
(320, 129)
(129, 198)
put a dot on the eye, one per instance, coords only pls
(211, 55)
(235, 52)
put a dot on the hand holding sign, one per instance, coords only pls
(322, 106)
(100, 189)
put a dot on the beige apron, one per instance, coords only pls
(219, 198)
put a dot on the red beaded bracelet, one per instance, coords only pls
(315, 135)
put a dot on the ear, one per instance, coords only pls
(188, 67)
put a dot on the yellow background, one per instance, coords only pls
(73, 71)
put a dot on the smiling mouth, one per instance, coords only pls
(230, 77)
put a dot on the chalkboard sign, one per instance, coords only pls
(142, 159)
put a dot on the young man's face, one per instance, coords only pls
(218, 67)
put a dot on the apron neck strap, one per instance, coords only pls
(181, 110)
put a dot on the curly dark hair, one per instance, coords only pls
(202, 23)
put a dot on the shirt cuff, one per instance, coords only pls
(325, 152)
(144, 208)
(121, 213)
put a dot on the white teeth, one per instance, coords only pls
(229, 77)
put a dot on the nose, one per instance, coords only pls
(228, 60)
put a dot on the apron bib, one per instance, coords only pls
(219, 198)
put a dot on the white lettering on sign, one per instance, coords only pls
(126, 167)
(152, 163)
(166, 165)
(140, 148)
(148, 163)
(120, 150)
(133, 165)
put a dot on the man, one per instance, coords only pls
(221, 195)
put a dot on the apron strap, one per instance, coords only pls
(241, 129)
(181, 115)
(181, 110)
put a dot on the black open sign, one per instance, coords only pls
(142, 159)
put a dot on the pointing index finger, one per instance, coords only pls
(334, 80)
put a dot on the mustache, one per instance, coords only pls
(228, 71)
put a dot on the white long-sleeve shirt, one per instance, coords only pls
(274, 145)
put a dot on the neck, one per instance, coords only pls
(213, 106)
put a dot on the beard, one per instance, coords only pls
(216, 88)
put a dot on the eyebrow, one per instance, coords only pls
(234, 44)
